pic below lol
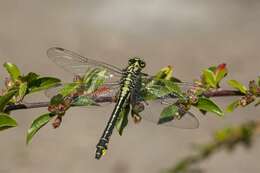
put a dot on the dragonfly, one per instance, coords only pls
(133, 89)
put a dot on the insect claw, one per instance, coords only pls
(136, 118)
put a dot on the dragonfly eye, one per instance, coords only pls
(142, 64)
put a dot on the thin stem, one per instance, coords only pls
(215, 93)
(46, 104)
(222, 93)
(26, 106)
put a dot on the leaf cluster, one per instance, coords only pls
(17, 86)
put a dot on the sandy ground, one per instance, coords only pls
(190, 35)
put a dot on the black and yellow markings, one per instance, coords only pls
(129, 82)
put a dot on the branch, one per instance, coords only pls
(223, 93)
(26, 106)
(215, 93)
(17, 86)
(227, 138)
(46, 104)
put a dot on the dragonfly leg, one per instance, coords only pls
(136, 109)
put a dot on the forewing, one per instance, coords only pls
(79, 65)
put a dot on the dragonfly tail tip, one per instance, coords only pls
(98, 153)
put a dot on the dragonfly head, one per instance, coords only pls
(137, 62)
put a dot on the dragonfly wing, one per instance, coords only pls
(153, 109)
(78, 65)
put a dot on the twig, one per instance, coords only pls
(26, 106)
(228, 139)
(215, 93)
(222, 93)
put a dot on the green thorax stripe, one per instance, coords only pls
(126, 87)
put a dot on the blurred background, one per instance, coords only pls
(189, 35)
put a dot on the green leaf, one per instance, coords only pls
(159, 88)
(152, 92)
(6, 121)
(84, 101)
(165, 73)
(209, 106)
(57, 99)
(30, 77)
(168, 114)
(22, 90)
(122, 120)
(210, 78)
(6, 98)
(174, 88)
(232, 106)
(221, 72)
(69, 88)
(93, 79)
(237, 85)
(259, 81)
(37, 124)
(174, 79)
(13, 70)
(203, 112)
(43, 83)
(212, 68)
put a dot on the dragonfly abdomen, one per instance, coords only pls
(129, 82)
(123, 97)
